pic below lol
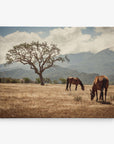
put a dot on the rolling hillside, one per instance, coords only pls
(84, 65)
(54, 73)
(101, 62)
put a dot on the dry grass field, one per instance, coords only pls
(52, 101)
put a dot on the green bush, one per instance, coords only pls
(37, 80)
(8, 80)
(14, 81)
(5, 80)
(27, 80)
(55, 82)
(47, 80)
(63, 81)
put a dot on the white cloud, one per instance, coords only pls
(104, 29)
(106, 39)
(40, 33)
(69, 40)
(13, 39)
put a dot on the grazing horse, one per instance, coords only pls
(76, 81)
(100, 83)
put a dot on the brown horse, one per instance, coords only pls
(100, 83)
(75, 81)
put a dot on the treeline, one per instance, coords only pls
(13, 80)
(28, 80)
(48, 80)
(37, 81)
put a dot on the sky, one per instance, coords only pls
(68, 39)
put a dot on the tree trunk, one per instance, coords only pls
(41, 79)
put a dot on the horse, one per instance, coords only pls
(76, 81)
(100, 83)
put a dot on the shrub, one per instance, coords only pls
(3, 80)
(78, 98)
(112, 98)
(9, 80)
(63, 81)
(27, 80)
(55, 82)
(14, 81)
(47, 80)
(37, 80)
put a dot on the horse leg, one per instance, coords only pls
(70, 86)
(96, 96)
(105, 93)
(76, 87)
(102, 94)
(67, 87)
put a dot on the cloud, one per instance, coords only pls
(72, 40)
(105, 39)
(13, 39)
(104, 30)
(68, 39)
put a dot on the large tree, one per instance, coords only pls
(40, 56)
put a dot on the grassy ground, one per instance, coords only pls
(52, 101)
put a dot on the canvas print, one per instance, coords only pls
(56, 72)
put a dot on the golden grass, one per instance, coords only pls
(51, 101)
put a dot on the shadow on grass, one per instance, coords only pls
(103, 102)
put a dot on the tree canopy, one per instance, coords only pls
(40, 56)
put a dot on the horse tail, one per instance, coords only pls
(67, 83)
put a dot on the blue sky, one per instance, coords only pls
(8, 30)
(91, 31)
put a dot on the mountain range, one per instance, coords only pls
(101, 62)
(84, 65)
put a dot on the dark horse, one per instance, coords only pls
(76, 81)
(100, 83)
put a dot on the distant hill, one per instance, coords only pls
(84, 65)
(76, 59)
(111, 79)
(101, 62)
(14, 66)
(54, 73)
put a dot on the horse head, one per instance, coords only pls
(92, 94)
(83, 88)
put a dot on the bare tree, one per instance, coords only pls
(40, 56)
